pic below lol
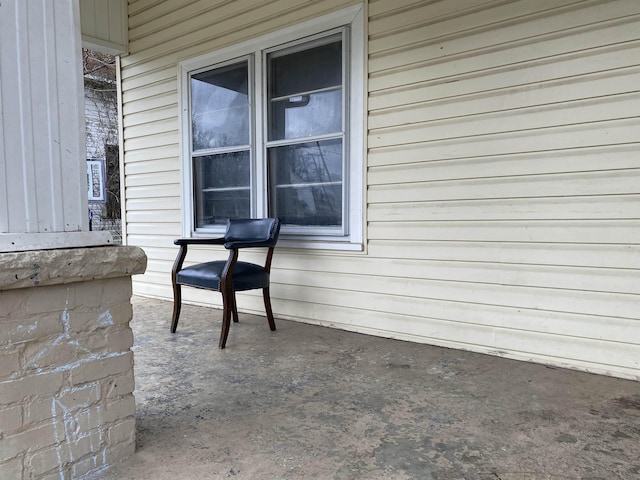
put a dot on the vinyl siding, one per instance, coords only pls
(503, 174)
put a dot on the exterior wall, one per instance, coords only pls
(503, 192)
(101, 116)
(66, 368)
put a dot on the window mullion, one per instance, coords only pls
(259, 150)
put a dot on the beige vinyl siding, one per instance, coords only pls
(503, 174)
(504, 160)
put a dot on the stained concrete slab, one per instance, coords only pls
(308, 402)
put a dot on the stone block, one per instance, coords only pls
(39, 384)
(93, 369)
(120, 340)
(47, 460)
(10, 419)
(79, 397)
(123, 432)
(23, 328)
(89, 320)
(11, 469)
(87, 465)
(119, 409)
(36, 438)
(43, 355)
(9, 360)
(119, 386)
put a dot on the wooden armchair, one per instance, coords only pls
(230, 276)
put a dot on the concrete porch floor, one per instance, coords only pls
(313, 402)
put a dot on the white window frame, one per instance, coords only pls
(353, 19)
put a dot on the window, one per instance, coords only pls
(274, 127)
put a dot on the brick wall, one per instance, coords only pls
(66, 368)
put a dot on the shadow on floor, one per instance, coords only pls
(309, 402)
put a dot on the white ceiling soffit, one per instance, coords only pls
(104, 25)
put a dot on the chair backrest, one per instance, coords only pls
(265, 230)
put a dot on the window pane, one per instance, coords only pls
(220, 107)
(305, 91)
(222, 188)
(315, 68)
(306, 115)
(306, 183)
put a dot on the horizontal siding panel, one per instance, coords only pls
(518, 23)
(169, 112)
(156, 165)
(575, 231)
(150, 154)
(155, 216)
(159, 127)
(533, 118)
(510, 101)
(410, 295)
(593, 255)
(585, 69)
(616, 182)
(613, 329)
(409, 16)
(150, 90)
(155, 241)
(614, 280)
(612, 359)
(162, 228)
(590, 135)
(152, 179)
(167, 101)
(617, 157)
(207, 35)
(574, 208)
(145, 204)
(172, 190)
(420, 64)
(152, 140)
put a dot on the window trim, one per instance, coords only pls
(351, 18)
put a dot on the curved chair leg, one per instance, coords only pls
(226, 318)
(267, 307)
(234, 308)
(177, 303)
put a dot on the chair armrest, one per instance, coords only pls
(256, 243)
(199, 241)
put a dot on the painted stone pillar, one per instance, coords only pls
(66, 365)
